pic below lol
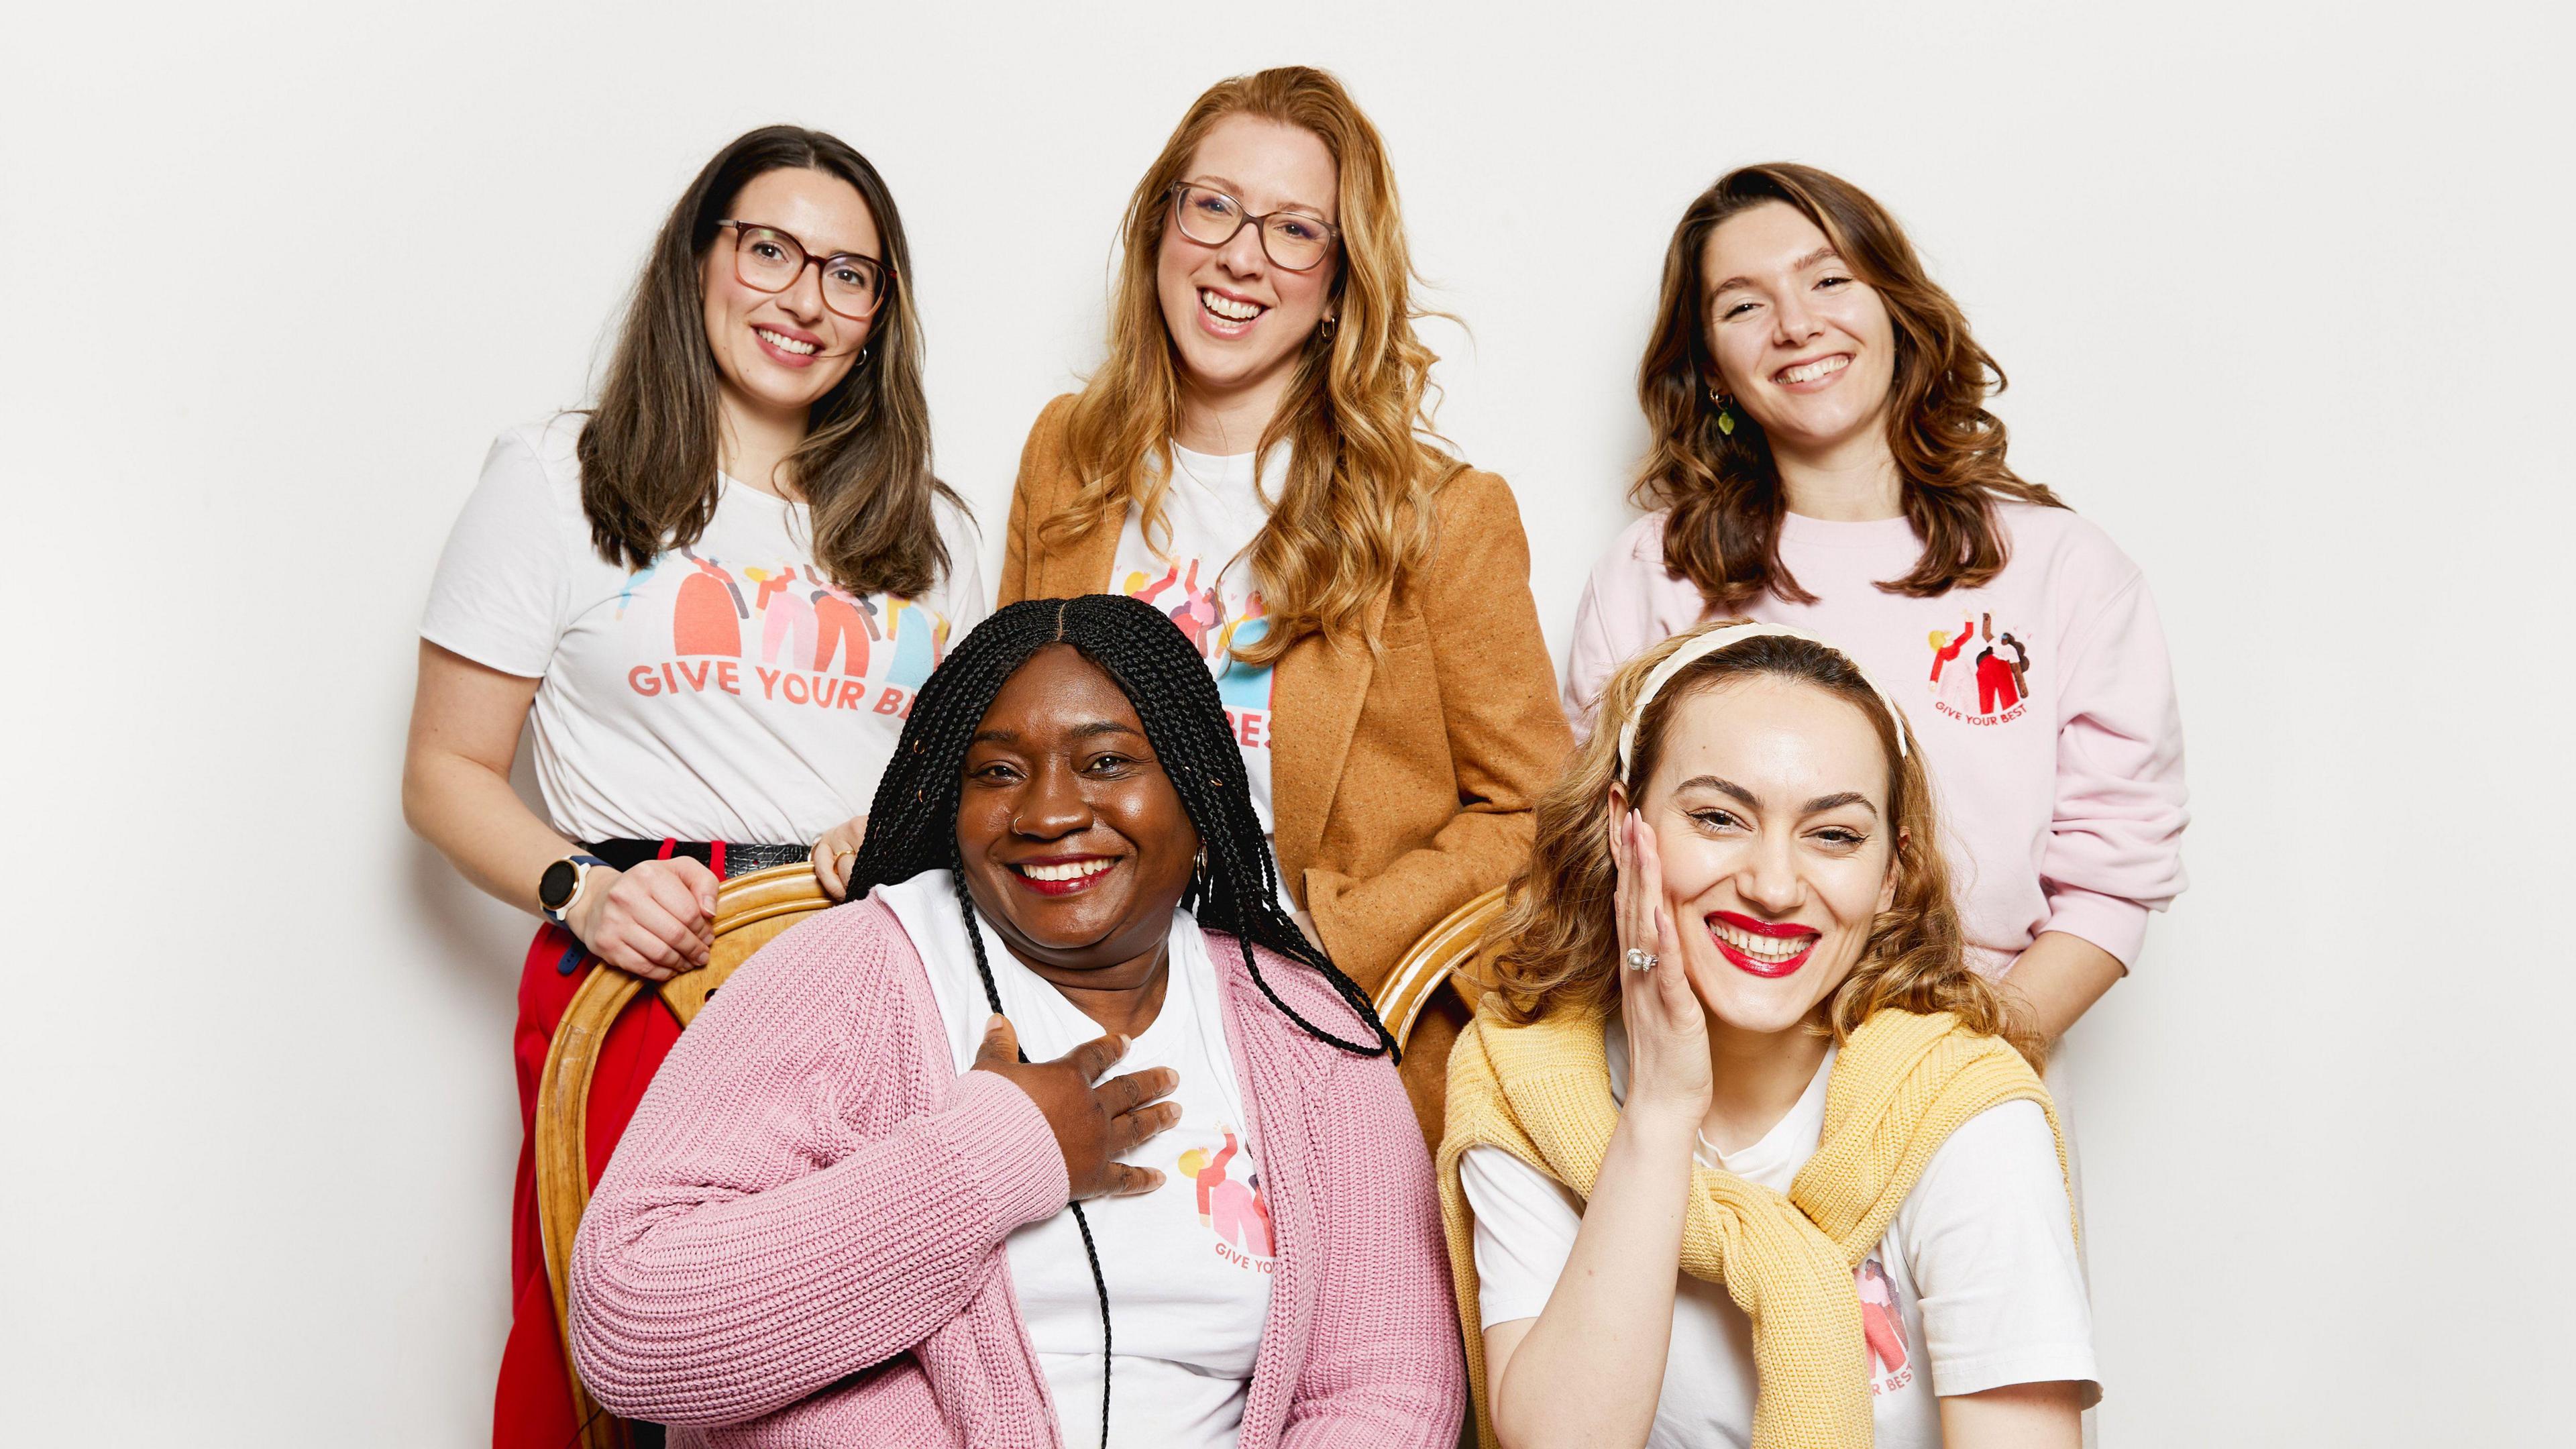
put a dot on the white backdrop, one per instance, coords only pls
(2282, 296)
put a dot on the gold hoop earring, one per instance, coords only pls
(1725, 412)
(1324, 329)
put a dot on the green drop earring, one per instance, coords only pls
(1725, 412)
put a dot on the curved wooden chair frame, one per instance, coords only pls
(750, 910)
(1435, 959)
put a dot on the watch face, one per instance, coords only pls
(555, 886)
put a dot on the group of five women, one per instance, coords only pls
(1077, 1126)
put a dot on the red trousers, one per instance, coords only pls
(533, 1407)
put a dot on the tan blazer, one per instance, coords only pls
(1402, 785)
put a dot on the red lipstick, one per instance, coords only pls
(1768, 930)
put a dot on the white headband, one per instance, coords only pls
(1711, 642)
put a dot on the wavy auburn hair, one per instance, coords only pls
(649, 456)
(1356, 513)
(1561, 932)
(1724, 489)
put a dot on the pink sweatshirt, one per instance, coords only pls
(800, 1239)
(2056, 752)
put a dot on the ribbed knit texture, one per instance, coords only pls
(1900, 1086)
(800, 1240)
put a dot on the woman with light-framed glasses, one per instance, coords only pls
(705, 592)
(1252, 457)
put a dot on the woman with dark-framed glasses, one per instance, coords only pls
(713, 593)
(1251, 458)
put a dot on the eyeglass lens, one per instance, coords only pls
(1211, 218)
(770, 261)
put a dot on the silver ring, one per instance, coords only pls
(1640, 960)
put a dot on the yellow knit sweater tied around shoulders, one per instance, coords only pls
(1901, 1085)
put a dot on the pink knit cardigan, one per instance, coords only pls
(799, 1240)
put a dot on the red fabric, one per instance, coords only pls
(532, 1408)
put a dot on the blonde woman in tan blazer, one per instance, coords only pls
(1250, 458)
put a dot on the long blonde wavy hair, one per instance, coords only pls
(1356, 512)
(1561, 932)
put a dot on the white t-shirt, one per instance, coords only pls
(1976, 1284)
(1187, 1265)
(725, 691)
(1202, 578)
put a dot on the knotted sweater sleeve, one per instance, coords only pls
(789, 1205)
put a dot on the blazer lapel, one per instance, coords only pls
(1315, 708)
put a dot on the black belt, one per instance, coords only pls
(739, 859)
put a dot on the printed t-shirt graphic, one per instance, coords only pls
(1882, 1326)
(1200, 575)
(1187, 1265)
(1230, 1208)
(727, 690)
(1979, 674)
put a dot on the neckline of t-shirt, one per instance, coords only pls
(734, 487)
(1214, 470)
(1179, 992)
(1797, 530)
(1790, 1141)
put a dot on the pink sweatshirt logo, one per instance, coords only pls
(1978, 675)
(1233, 1209)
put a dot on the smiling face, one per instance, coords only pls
(780, 352)
(1801, 342)
(1076, 846)
(1238, 319)
(1769, 803)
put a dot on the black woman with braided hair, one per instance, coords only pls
(1061, 1132)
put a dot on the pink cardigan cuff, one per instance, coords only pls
(1006, 1142)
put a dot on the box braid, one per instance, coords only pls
(912, 824)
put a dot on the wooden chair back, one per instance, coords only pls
(750, 910)
(1434, 961)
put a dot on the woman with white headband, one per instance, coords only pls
(1823, 456)
(1740, 1149)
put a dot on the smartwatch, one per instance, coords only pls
(561, 885)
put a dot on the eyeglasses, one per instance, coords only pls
(766, 259)
(1291, 239)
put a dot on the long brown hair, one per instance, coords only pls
(649, 454)
(1356, 512)
(1561, 933)
(1724, 488)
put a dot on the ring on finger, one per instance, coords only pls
(1640, 960)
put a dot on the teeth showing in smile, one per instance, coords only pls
(1770, 950)
(785, 344)
(1229, 308)
(1070, 870)
(1821, 367)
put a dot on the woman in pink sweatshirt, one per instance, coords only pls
(1823, 457)
(881, 1192)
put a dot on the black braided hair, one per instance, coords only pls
(912, 826)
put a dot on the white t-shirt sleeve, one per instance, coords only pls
(502, 592)
(969, 600)
(1525, 1228)
(1987, 1237)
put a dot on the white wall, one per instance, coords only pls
(2284, 303)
